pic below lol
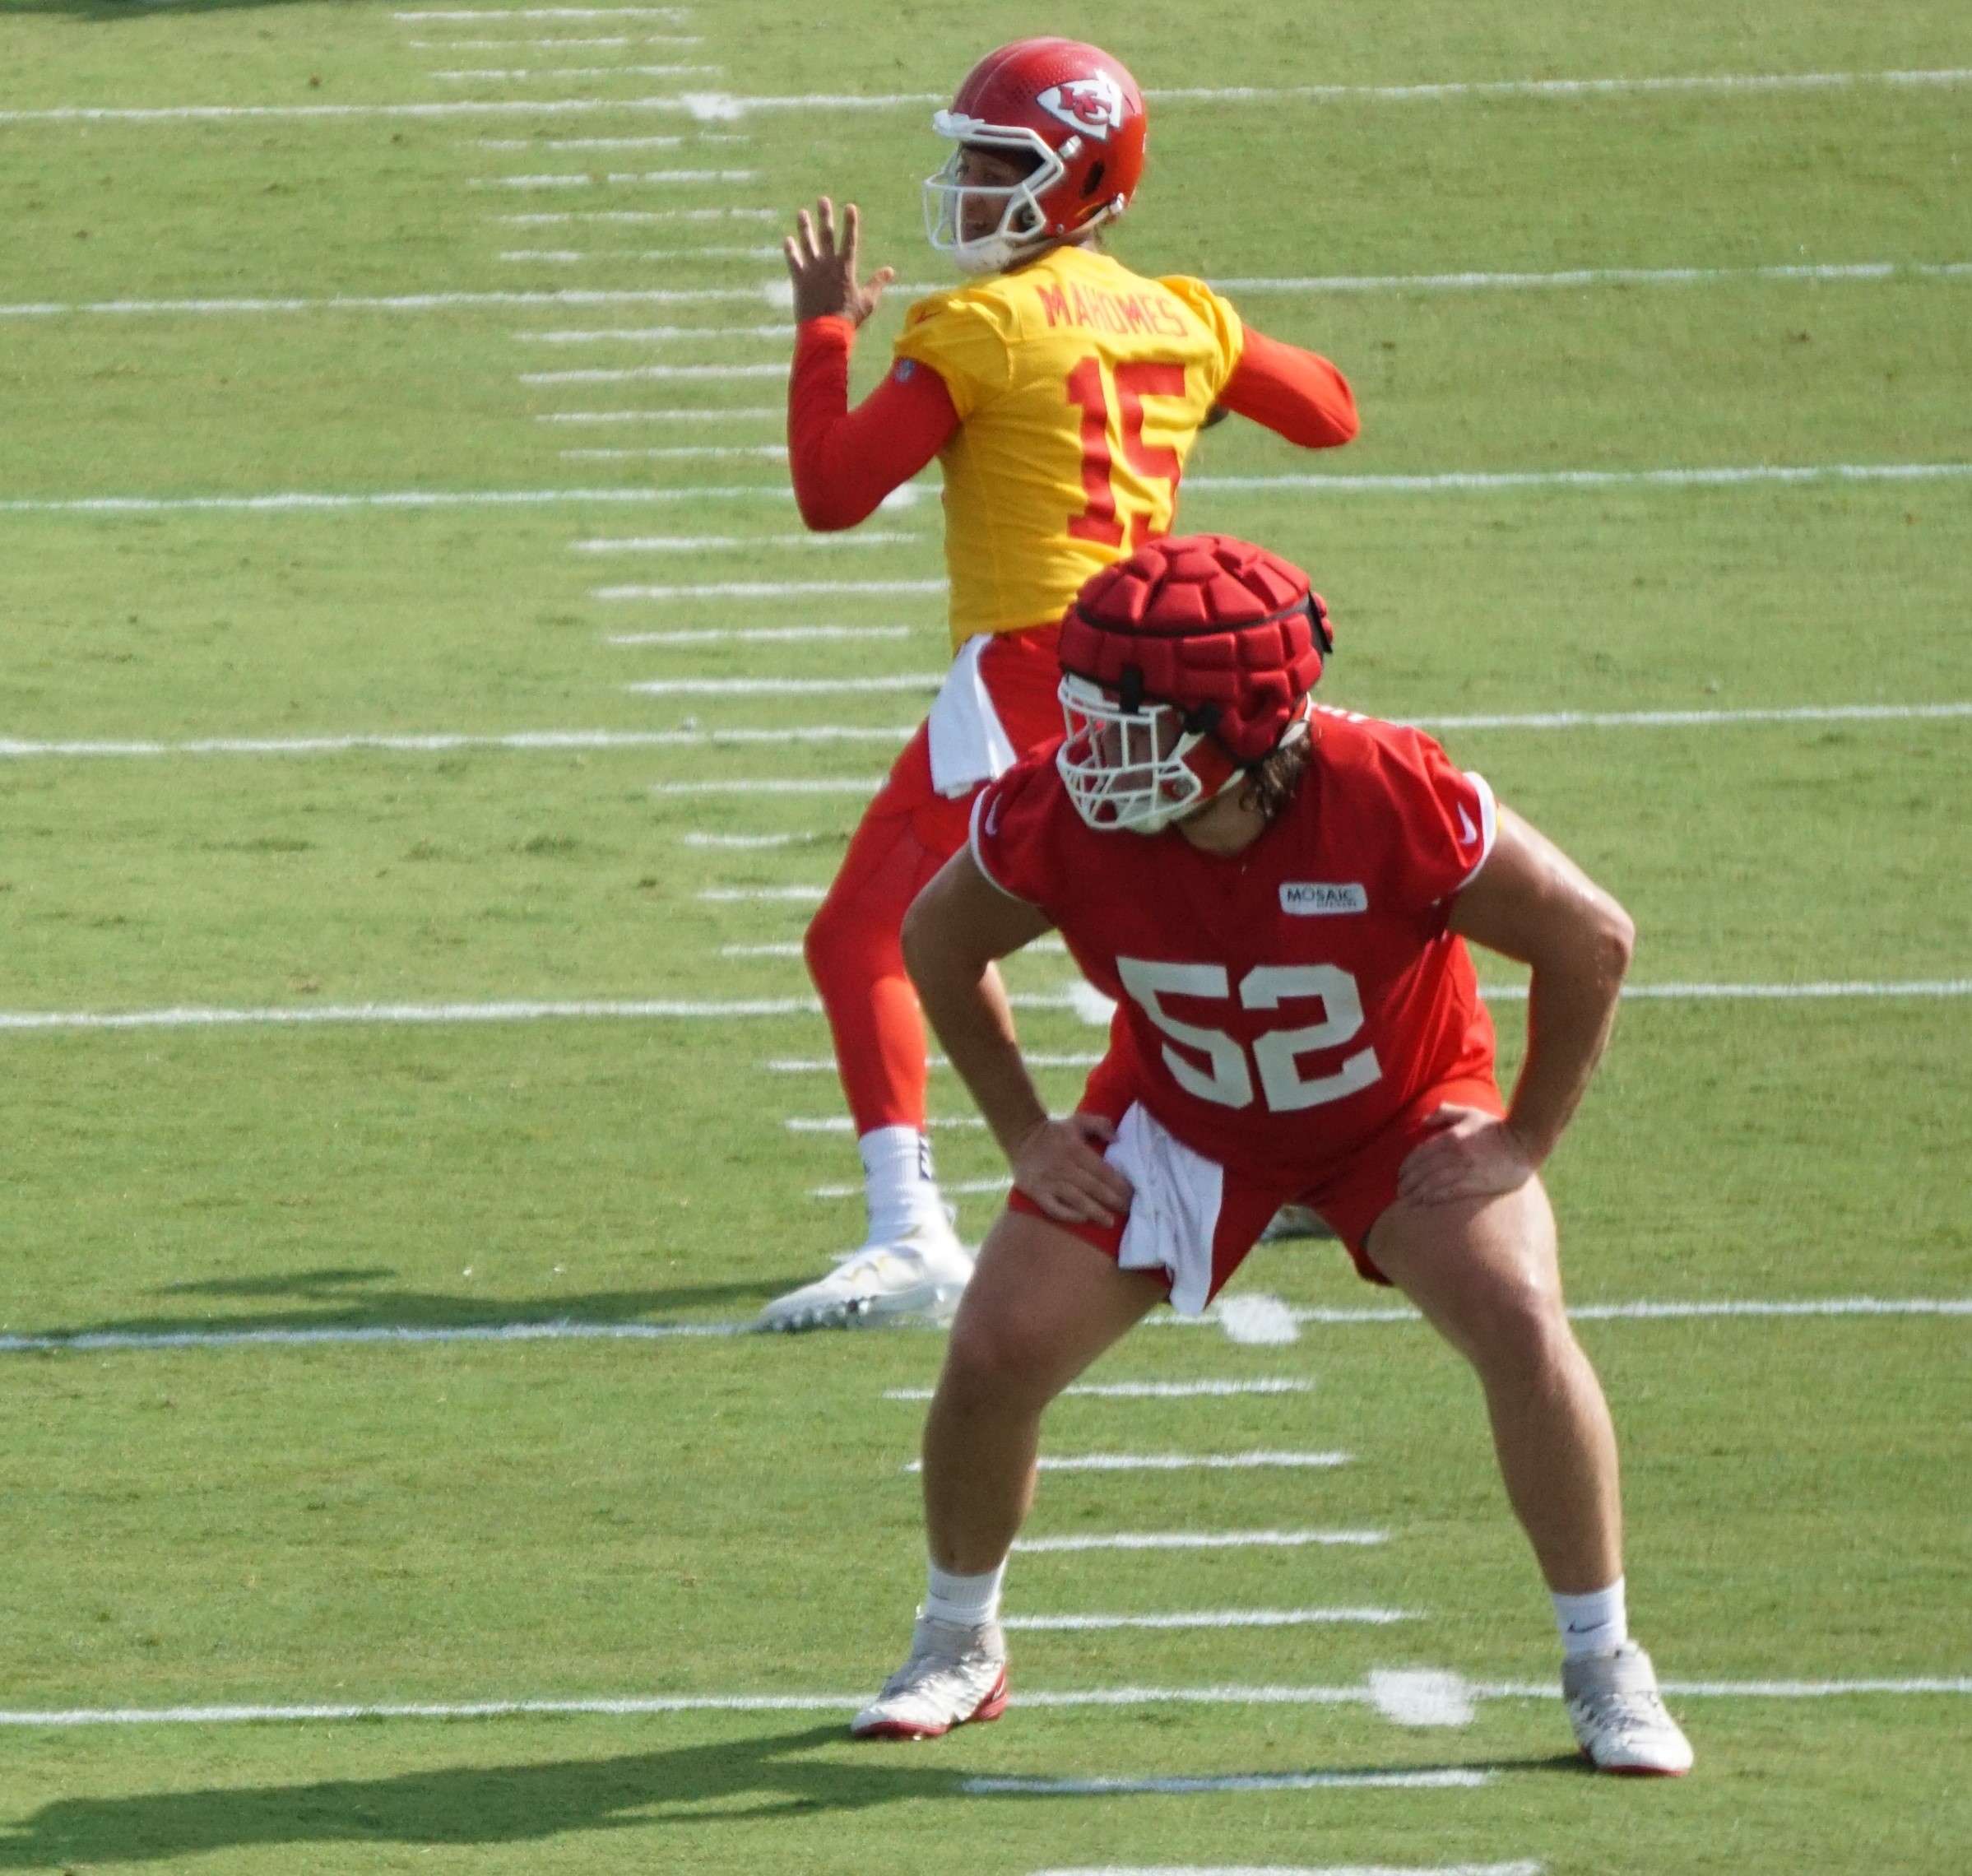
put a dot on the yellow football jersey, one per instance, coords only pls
(1080, 388)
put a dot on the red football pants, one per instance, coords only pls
(905, 834)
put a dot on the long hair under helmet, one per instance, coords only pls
(1184, 668)
(1073, 113)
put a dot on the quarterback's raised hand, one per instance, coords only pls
(824, 274)
(1469, 1154)
(1059, 1166)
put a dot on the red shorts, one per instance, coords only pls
(1021, 673)
(1201, 1218)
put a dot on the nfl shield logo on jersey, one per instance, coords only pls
(1093, 106)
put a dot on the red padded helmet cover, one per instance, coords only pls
(1230, 634)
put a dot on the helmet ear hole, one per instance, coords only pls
(1095, 180)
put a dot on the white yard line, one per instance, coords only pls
(614, 42)
(1373, 1618)
(1422, 1697)
(752, 413)
(863, 789)
(1065, 1699)
(1254, 1461)
(657, 373)
(1149, 1390)
(559, 296)
(952, 1188)
(719, 543)
(724, 107)
(779, 589)
(825, 1065)
(1449, 1778)
(913, 682)
(547, 13)
(653, 335)
(671, 255)
(663, 141)
(296, 503)
(760, 635)
(842, 1124)
(790, 950)
(443, 742)
(1463, 482)
(1863, 272)
(1201, 1540)
(392, 1335)
(761, 895)
(1521, 1869)
(525, 74)
(683, 453)
(636, 217)
(748, 841)
(616, 179)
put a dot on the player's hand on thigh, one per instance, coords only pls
(824, 273)
(1059, 1166)
(1469, 1153)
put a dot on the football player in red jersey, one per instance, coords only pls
(1061, 393)
(1279, 897)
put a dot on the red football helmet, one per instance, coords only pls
(1071, 110)
(1184, 667)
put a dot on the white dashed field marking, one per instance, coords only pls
(842, 1124)
(1422, 1697)
(1448, 1778)
(825, 1065)
(617, 179)
(1039, 1697)
(721, 543)
(524, 74)
(954, 1188)
(1257, 1462)
(1521, 1868)
(721, 107)
(1149, 1390)
(730, 415)
(560, 296)
(1202, 1540)
(301, 503)
(566, 256)
(547, 13)
(777, 589)
(912, 681)
(692, 453)
(1371, 1617)
(657, 374)
(1860, 272)
(653, 335)
(738, 413)
(391, 1335)
(767, 895)
(636, 217)
(759, 635)
(748, 841)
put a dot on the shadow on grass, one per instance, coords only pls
(104, 11)
(477, 1804)
(354, 1298)
(464, 1806)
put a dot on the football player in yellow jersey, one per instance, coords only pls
(1061, 394)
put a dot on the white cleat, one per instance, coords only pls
(922, 1275)
(1619, 1722)
(956, 1674)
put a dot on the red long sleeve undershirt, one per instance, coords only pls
(844, 462)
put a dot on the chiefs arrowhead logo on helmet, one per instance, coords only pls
(1091, 105)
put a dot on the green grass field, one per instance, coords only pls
(213, 801)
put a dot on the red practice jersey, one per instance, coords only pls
(1277, 1009)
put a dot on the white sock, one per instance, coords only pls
(899, 1186)
(968, 1600)
(1596, 1623)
